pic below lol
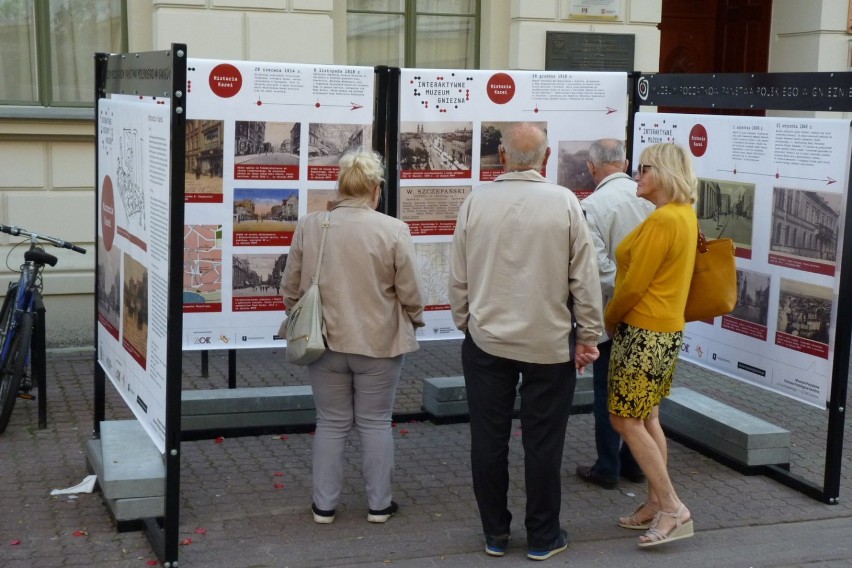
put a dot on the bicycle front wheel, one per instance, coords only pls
(14, 368)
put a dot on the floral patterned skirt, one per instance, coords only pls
(641, 368)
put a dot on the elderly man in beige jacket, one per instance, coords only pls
(523, 270)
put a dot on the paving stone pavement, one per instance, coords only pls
(244, 501)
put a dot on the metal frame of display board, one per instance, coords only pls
(386, 134)
(158, 74)
(779, 91)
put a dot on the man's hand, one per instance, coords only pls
(584, 355)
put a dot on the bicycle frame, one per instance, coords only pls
(29, 284)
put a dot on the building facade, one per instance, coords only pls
(47, 145)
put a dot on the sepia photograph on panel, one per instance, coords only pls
(804, 310)
(804, 230)
(725, 210)
(490, 138)
(436, 146)
(572, 167)
(109, 287)
(266, 150)
(203, 162)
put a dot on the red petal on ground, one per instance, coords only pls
(403, 431)
(15, 542)
(219, 440)
(186, 541)
(283, 437)
(152, 563)
(199, 530)
(80, 533)
(278, 474)
(279, 486)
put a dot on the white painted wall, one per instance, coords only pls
(809, 36)
(530, 22)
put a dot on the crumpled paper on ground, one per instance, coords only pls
(85, 486)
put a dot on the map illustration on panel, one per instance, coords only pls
(129, 176)
(202, 268)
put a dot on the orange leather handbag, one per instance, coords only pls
(713, 291)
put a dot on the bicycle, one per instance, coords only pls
(17, 318)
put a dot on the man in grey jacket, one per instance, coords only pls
(523, 267)
(612, 212)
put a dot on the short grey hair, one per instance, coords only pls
(607, 151)
(525, 144)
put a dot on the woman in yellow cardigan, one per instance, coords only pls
(645, 320)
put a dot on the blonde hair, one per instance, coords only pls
(673, 171)
(361, 170)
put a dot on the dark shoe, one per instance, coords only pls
(496, 545)
(587, 474)
(560, 544)
(634, 476)
(383, 515)
(322, 517)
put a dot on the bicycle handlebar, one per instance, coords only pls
(57, 242)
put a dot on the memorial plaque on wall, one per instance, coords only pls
(575, 51)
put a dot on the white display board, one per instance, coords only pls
(777, 187)
(133, 255)
(263, 142)
(450, 123)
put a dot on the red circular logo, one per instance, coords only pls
(501, 88)
(107, 213)
(698, 140)
(225, 80)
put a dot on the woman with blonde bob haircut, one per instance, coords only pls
(673, 171)
(371, 304)
(645, 319)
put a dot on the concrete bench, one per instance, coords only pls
(446, 397)
(724, 430)
(252, 407)
(130, 470)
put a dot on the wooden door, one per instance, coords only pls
(715, 36)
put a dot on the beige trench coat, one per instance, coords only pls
(370, 288)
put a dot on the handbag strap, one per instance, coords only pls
(702, 240)
(325, 224)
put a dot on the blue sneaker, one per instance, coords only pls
(496, 545)
(559, 545)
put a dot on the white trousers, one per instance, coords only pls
(353, 391)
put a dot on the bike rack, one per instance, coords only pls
(38, 359)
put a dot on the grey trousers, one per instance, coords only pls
(353, 391)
